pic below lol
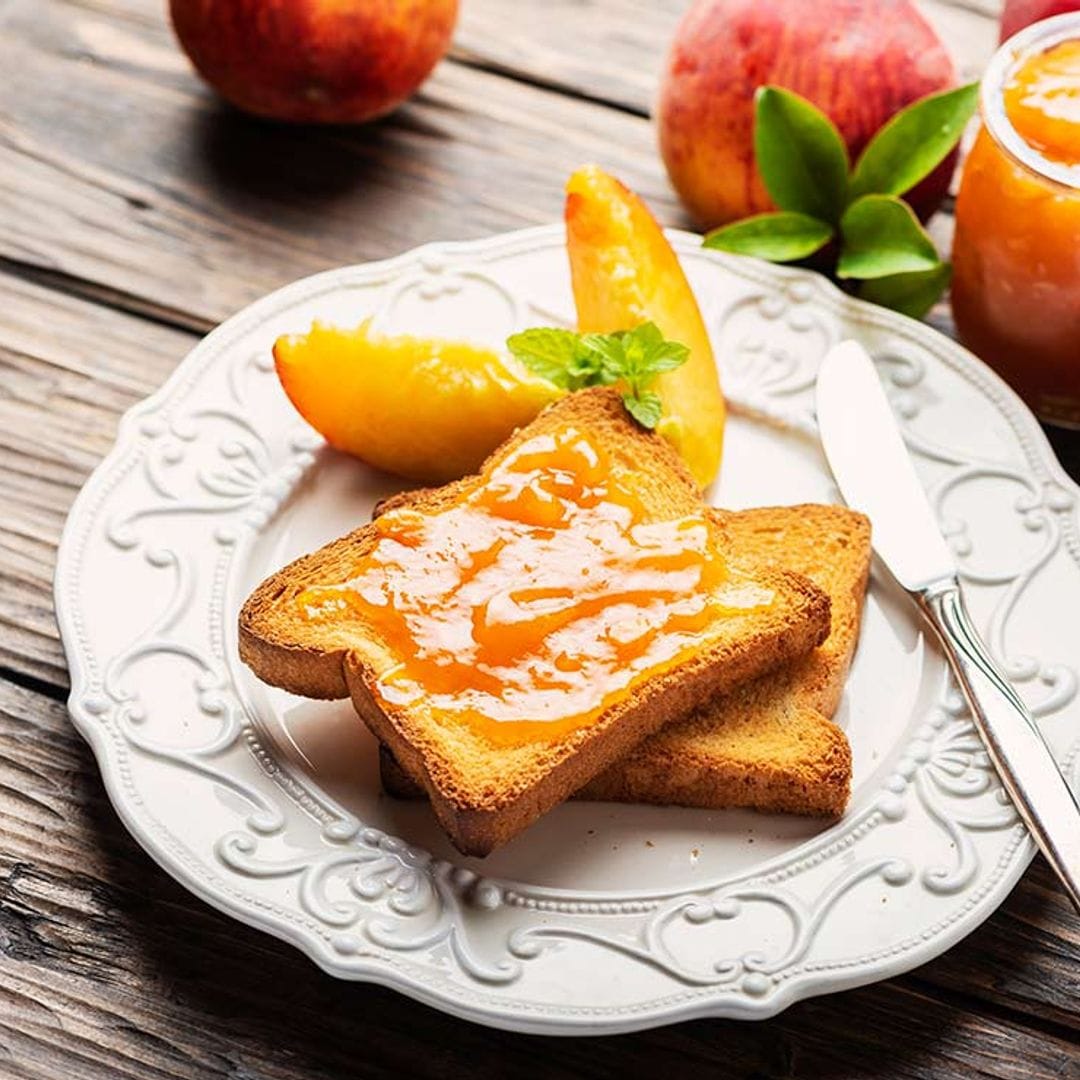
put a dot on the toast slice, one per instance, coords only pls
(769, 744)
(485, 791)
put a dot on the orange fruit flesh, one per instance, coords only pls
(625, 272)
(423, 408)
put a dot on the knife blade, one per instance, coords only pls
(873, 469)
(876, 475)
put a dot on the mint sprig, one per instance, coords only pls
(804, 165)
(630, 358)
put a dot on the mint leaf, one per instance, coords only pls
(911, 294)
(607, 354)
(914, 142)
(635, 356)
(800, 154)
(646, 408)
(631, 357)
(781, 237)
(882, 237)
(667, 356)
(554, 354)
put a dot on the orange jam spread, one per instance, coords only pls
(537, 600)
(1042, 101)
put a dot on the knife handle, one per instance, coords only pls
(1024, 762)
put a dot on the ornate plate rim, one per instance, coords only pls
(519, 1016)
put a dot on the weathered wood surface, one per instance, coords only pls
(134, 212)
(189, 211)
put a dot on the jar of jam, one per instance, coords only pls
(1016, 253)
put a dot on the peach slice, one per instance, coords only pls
(624, 273)
(427, 409)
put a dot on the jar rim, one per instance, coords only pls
(1034, 39)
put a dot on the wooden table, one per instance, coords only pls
(135, 213)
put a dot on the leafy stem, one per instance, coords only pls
(632, 359)
(821, 198)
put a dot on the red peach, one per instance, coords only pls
(323, 61)
(860, 61)
(1021, 13)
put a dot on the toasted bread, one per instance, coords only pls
(482, 793)
(769, 744)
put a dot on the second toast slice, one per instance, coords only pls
(488, 781)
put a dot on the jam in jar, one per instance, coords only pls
(1016, 254)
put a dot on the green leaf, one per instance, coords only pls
(800, 154)
(914, 142)
(606, 354)
(647, 354)
(631, 357)
(780, 237)
(635, 356)
(553, 354)
(881, 236)
(912, 294)
(646, 408)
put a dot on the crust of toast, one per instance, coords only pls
(483, 795)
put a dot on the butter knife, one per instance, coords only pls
(875, 474)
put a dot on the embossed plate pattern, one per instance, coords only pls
(601, 918)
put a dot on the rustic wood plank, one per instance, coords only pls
(188, 184)
(1023, 959)
(613, 50)
(108, 968)
(189, 210)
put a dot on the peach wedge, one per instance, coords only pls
(426, 409)
(625, 272)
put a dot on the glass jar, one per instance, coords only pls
(1016, 253)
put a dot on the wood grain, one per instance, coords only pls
(189, 210)
(108, 968)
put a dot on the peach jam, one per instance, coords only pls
(1042, 102)
(540, 597)
(1016, 253)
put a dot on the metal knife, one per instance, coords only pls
(875, 475)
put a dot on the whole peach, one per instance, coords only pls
(323, 61)
(1021, 13)
(860, 61)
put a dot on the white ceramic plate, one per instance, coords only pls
(601, 918)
